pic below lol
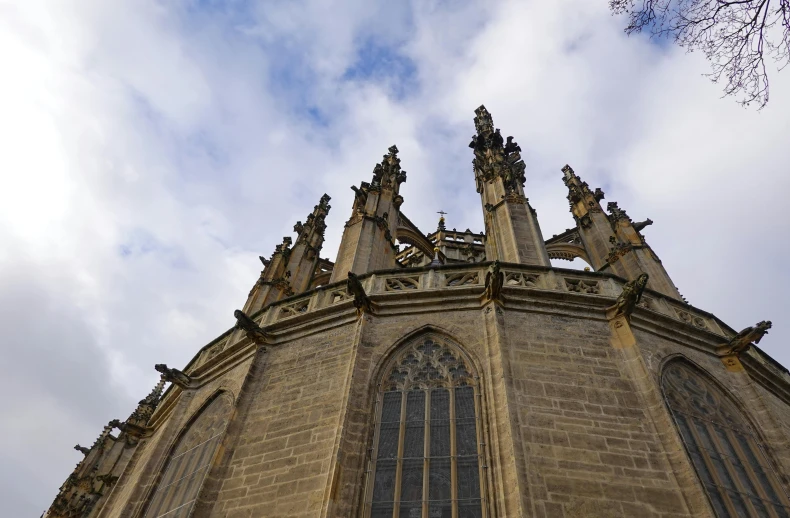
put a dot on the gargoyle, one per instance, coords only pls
(361, 300)
(599, 194)
(82, 449)
(751, 335)
(511, 147)
(174, 376)
(298, 227)
(495, 279)
(250, 327)
(642, 224)
(630, 296)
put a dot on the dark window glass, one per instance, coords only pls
(723, 448)
(189, 462)
(428, 450)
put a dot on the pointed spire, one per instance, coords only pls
(368, 241)
(145, 409)
(512, 230)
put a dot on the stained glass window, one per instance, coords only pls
(426, 462)
(189, 462)
(722, 446)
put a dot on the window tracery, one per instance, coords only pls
(426, 461)
(190, 462)
(724, 450)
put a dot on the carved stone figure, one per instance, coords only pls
(511, 146)
(642, 224)
(630, 296)
(495, 279)
(361, 300)
(174, 376)
(82, 449)
(250, 327)
(751, 335)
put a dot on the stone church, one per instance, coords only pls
(456, 375)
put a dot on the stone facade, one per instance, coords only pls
(572, 419)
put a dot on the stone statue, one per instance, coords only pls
(630, 296)
(250, 327)
(82, 449)
(495, 279)
(511, 147)
(174, 376)
(642, 224)
(751, 335)
(361, 300)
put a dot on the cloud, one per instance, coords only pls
(153, 150)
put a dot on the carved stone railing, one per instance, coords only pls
(463, 277)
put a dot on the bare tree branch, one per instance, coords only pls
(736, 36)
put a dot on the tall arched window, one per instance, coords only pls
(723, 447)
(426, 461)
(190, 461)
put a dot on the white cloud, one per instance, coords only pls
(152, 150)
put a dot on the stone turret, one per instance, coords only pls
(512, 231)
(290, 270)
(613, 242)
(368, 242)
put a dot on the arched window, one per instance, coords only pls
(723, 448)
(189, 462)
(426, 460)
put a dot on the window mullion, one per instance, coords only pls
(426, 453)
(399, 463)
(453, 457)
(373, 453)
(728, 465)
(705, 455)
(749, 469)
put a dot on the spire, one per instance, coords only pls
(613, 242)
(290, 270)
(368, 242)
(512, 230)
(138, 419)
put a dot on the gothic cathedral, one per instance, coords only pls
(460, 377)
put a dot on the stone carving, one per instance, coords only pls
(295, 309)
(616, 213)
(174, 376)
(253, 331)
(495, 279)
(688, 318)
(642, 224)
(521, 279)
(428, 364)
(629, 297)
(402, 283)
(82, 449)
(751, 335)
(361, 300)
(461, 279)
(493, 158)
(580, 286)
(138, 420)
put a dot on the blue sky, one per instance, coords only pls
(153, 150)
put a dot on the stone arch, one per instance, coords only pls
(567, 252)
(427, 442)
(417, 333)
(190, 458)
(727, 451)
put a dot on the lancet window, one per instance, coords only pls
(190, 462)
(427, 461)
(724, 449)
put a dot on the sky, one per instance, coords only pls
(150, 151)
